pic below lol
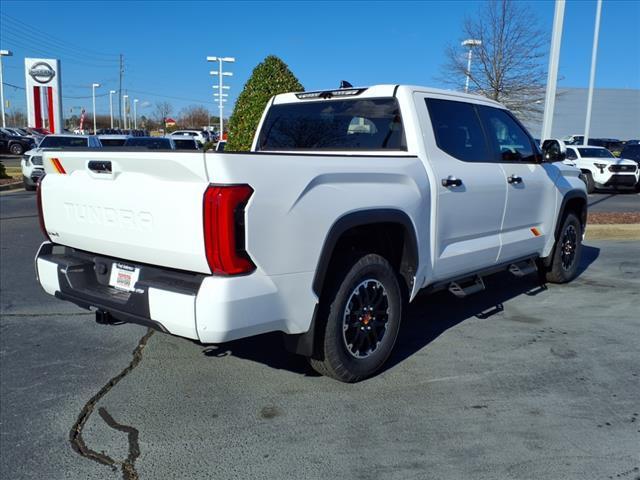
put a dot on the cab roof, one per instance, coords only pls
(377, 91)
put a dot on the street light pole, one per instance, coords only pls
(470, 42)
(592, 76)
(111, 93)
(220, 86)
(3, 53)
(124, 104)
(135, 113)
(93, 96)
(552, 76)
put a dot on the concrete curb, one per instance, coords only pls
(615, 231)
(11, 186)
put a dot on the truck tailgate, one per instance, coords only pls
(140, 206)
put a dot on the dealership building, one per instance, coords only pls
(615, 114)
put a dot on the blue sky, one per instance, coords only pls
(165, 44)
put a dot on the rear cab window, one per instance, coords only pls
(334, 125)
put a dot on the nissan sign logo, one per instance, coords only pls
(42, 72)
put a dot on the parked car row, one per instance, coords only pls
(614, 145)
(119, 131)
(15, 142)
(18, 140)
(31, 163)
(33, 169)
(163, 143)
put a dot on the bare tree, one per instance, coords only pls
(16, 118)
(162, 111)
(508, 66)
(195, 116)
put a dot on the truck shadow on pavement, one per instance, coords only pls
(426, 318)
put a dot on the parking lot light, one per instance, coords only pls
(3, 53)
(93, 95)
(220, 86)
(135, 113)
(470, 42)
(592, 74)
(552, 72)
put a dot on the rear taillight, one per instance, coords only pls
(40, 212)
(224, 241)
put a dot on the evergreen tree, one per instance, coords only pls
(269, 78)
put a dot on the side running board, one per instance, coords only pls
(467, 287)
(523, 268)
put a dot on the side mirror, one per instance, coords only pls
(553, 150)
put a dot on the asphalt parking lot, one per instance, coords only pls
(518, 382)
(614, 201)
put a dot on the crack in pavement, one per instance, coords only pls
(75, 434)
(18, 217)
(128, 466)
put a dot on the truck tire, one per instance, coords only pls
(359, 323)
(27, 185)
(566, 252)
(588, 181)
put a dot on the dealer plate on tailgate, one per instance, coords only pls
(124, 277)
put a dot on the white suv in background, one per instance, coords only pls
(196, 134)
(600, 169)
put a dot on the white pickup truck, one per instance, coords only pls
(350, 202)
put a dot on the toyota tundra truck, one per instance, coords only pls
(350, 202)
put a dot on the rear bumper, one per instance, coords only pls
(210, 309)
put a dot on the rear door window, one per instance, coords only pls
(457, 129)
(354, 124)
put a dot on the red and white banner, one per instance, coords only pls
(44, 93)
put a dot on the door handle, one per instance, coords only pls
(514, 179)
(99, 166)
(451, 181)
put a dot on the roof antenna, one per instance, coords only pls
(345, 84)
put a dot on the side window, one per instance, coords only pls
(457, 129)
(510, 142)
(571, 154)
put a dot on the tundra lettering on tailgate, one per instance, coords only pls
(109, 217)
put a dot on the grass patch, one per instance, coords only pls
(15, 172)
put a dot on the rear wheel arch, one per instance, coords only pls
(388, 232)
(386, 228)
